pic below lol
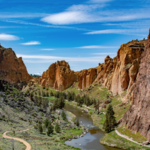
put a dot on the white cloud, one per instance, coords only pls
(22, 15)
(70, 17)
(103, 53)
(47, 59)
(31, 43)
(96, 46)
(8, 37)
(48, 49)
(117, 31)
(93, 12)
(99, 1)
(38, 73)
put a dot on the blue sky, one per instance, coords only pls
(82, 32)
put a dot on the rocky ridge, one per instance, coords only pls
(58, 76)
(137, 117)
(117, 74)
(12, 69)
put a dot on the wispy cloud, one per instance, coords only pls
(22, 15)
(95, 12)
(47, 59)
(117, 31)
(103, 53)
(97, 46)
(47, 49)
(99, 1)
(44, 25)
(31, 43)
(8, 37)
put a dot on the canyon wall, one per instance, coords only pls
(12, 69)
(58, 76)
(117, 74)
(137, 117)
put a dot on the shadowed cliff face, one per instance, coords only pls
(137, 118)
(59, 76)
(12, 69)
(117, 74)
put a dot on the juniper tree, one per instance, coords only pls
(57, 128)
(77, 122)
(40, 128)
(64, 116)
(46, 122)
(50, 129)
(110, 121)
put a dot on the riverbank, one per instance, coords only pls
(111, 139)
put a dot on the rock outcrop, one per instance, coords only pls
(117, 74)
(12, 69)
(58, 76)
(137, 117)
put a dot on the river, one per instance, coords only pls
(91, 140)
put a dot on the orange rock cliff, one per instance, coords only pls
(137, 117)
(12, 69)
(59, 76)
(117, 74)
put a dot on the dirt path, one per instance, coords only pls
(28, 146)
(129, 139)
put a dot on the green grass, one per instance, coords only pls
(73, 89)
(112, 139)
(135, 136)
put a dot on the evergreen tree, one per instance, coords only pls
(51, 93)
(64, 116)
(57, 128)
(61, 102)
(40, 128)
(46, 122)
(77, 122)
(110, 121)
(69, 96)
(50, 129)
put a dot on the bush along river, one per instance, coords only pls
(91, 140)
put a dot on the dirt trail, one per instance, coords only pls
(28, 146)
(129, 139)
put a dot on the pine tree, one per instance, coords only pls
(64, 116)
(57, 128)
(110, 121)
(50, 129)
(77, 122)
(46, 122)
(40, 128)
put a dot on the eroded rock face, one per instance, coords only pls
(117, 74)
(86, 77)
(137, 118)
(12, 69)
(58, 76)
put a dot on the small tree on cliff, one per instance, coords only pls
(110, 121)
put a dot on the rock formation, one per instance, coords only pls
(58, 76)
(12, 69)
(117, 74)
(137, 117)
